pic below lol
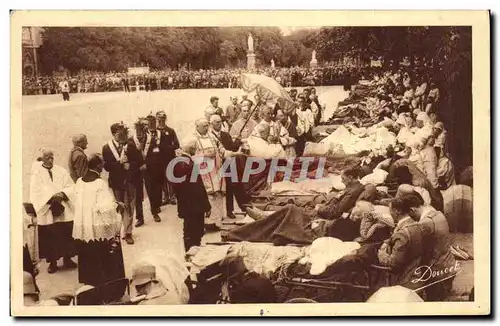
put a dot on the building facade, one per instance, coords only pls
(31, 41)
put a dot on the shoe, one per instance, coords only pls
(231, 216)
(173, 201)
(129, 240)
(139, 223)
(68, 263)
(52, 268)
(156, 218)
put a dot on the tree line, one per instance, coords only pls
(111, 49)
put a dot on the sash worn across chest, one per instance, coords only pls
(114, 150)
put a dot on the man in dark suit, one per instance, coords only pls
(140, 137)
(124, 162)
(346, 199)
(169, 144)
(155, 173)
(78, 161)
(233, 190)
(192, 199)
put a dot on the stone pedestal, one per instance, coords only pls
(250, 60)
(313, 63)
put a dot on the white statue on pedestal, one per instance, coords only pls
(250, 43)
(314, 61)
(272, 63)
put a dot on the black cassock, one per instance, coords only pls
(192, 202)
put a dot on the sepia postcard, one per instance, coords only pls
(250, 163)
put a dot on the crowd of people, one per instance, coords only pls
(182, 79)
(80, 208)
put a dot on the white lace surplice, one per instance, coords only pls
(42, 188)
(95, 211)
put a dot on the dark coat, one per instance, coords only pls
(118, 176)
(169, 143)
(78, 163)
(227, 141)
(335, 207)
(192, 198)
(156, 159)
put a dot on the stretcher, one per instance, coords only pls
(205, 285)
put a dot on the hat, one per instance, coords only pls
(161, 115)
(143, 273)
(115, 127)
(29, 284)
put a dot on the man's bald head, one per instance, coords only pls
(266, 113)
(263, 130)
(80, 140)
(202, 126)
(47, 157)
(216, 122)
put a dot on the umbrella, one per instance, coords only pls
(268, 89)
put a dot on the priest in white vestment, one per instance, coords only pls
(54, 210)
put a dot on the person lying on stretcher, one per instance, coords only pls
(293, 224)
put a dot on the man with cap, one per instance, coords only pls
(155, 174)
(78, 161)
(49, 184)
(124, 162)
(169, 145)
